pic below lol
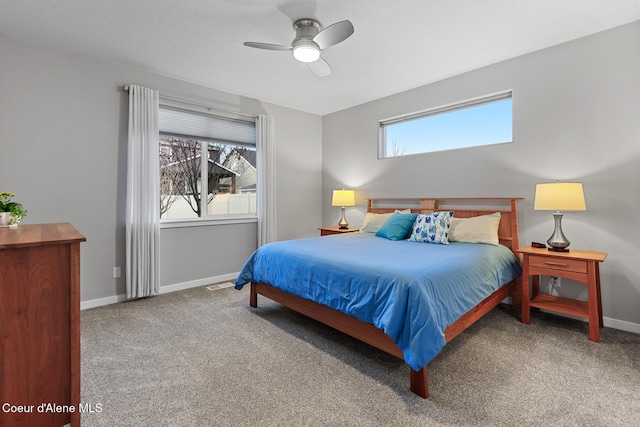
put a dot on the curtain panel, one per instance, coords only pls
(143, 194)
(266, 165)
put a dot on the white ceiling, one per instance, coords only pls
(397, 44)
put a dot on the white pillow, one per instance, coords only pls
(477, 229)
(373, 221)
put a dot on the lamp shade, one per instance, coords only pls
(343, 198)
(559, 196)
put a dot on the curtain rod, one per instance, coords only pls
(208, 107)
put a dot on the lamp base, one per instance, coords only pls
(558, 242)
(343, 224)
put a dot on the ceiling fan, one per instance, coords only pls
(309, 42)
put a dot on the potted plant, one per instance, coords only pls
(11, 213)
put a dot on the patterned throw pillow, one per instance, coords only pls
(432, 228)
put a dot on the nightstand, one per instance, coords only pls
(325, 231)
(581, 266)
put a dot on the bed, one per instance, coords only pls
(378, 287)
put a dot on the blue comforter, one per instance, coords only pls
(411, 290)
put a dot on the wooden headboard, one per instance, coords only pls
(463, 208)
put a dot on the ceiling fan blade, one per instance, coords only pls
(334, 34)
(320, 68)
(267, 46)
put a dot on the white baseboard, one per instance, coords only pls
(84, 305)
(621, 325)
(608, 322)
(195, 283)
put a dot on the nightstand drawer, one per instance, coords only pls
(327, 231)
(555, 263)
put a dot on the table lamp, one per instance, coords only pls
(343, 198)
(557, 196)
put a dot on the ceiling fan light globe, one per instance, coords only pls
(306, 53)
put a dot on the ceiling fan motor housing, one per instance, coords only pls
(306, 28)
(304, 48)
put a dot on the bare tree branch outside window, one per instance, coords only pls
(396, 150)
(180, 171)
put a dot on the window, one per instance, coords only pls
(481, 121)
(207, 165)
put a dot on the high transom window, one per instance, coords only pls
(481, 121)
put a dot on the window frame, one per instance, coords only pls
(439, 110)
(206, 219)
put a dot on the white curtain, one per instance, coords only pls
(143, 194)
(266, 165)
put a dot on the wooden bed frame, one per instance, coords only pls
(367, 332)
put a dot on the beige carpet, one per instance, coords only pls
(202, 357)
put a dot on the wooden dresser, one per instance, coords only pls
(40, 325)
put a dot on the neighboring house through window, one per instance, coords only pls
(207, 166)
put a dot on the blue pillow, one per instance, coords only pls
(397, 227)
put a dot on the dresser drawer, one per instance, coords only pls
(555, 263)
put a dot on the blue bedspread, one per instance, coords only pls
(411, 290)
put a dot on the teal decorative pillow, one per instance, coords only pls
(397, 227)
(432, 228)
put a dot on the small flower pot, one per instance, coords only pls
(5, 217)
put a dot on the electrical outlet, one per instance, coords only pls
(116, 272)
(554, 285)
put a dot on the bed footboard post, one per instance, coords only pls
(253, 296)
(419, 384)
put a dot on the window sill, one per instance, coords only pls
(205, 222)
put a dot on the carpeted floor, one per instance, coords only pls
(203, 357)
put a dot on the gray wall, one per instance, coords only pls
(576, 117)
(63, 126)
